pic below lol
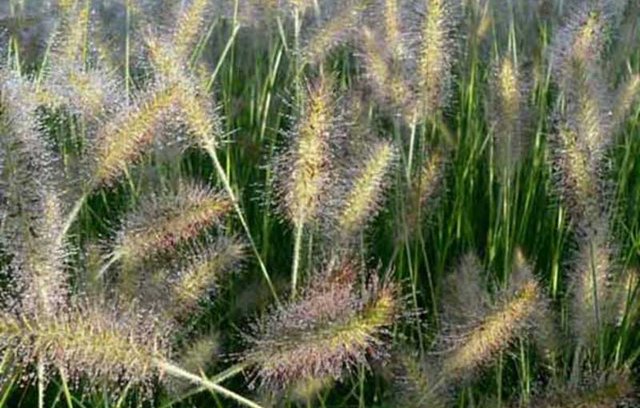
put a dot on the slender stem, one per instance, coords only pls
(411, 146)
(218, 378)
(236, 205)
(227, 47)
(71, 217)
(114, 258)
(296, 257)
(181, 373)
(40, 370)
(65, 387)
(127, 52)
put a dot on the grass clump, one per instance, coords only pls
(433, 203)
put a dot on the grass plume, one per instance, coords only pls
(508, 108)
(436, 55)
(364, 194)
(330, 329)
(167, 220)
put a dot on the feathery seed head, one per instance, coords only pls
(195, 281)
(305, 166)
(594, 302)
(332, 327)
(188, 27)
(436, 55)
(608, 390)
(167, 220)
(416, 383)
(365, 190)
(197, 108)
(508, 109)
(334, 31)
(424, 191)
(496, 331)
(626, 100)
(389, 84)
(465, 303)
(577, 176)
(122, 141)
(40, 264)
(200, 114)
(31, 210)
(73, 36)
(579, 45)
(393, 32)
(92, 342)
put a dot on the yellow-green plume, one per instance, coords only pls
(31, 209)
(387, 80)
(188, 28)
(609, 390)
(334, 326)
(595, 303)
(423, 191)
(463, 304)
(335, 31)
(304, 167)
(123, 140)
(195, 281)
(165, 221)
(436, 56)
(509, 319)
(626, 100)
(91, 342)
(392, 27)
(508, 109)
(365, 190)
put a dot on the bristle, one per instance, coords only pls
(579, 45)
(73, 36)
(416, 382)
(201, 117)
(324, 334)
(436, 55)
(309, 389)
(31, 210)
(593, 295)
(188, 27)
(388, 84)
(122, 141)
(199, 278)
(201, 353)
(393, 32)
(94, 344)
(424, 191)
(333, 32)
(508, 109)
(365, 193)
(494, 333)
(305, 166)
(463, 304)
(609, 391)
(577, 176)
(165, 221)
(626, 100)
